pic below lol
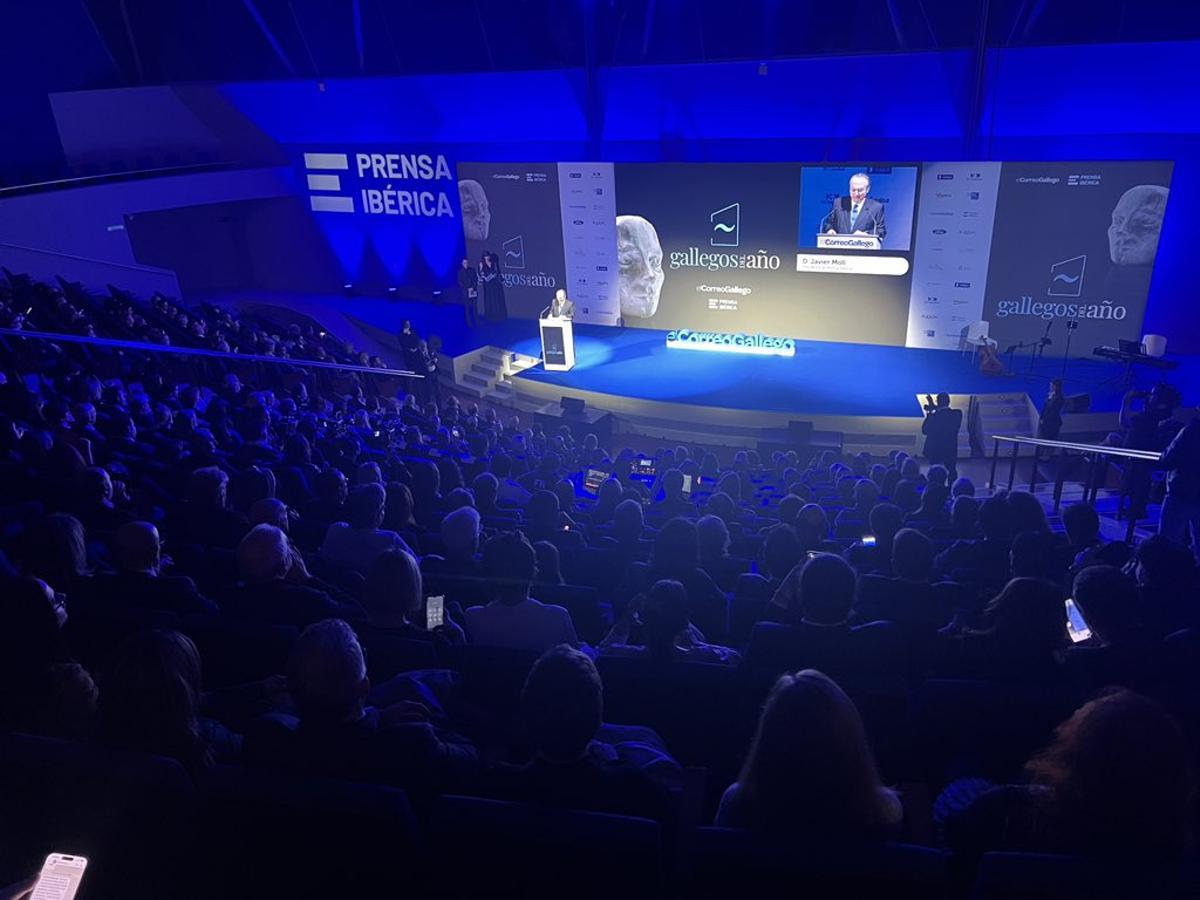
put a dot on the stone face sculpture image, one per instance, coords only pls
(639, 255)
(1136, 224)
(476, 214)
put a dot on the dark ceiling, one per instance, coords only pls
(157, 41)
(72, 45)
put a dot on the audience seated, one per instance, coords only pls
(676, 557)
(667, 634)
(138, 582)
(1021, 636)
(513, 618)
(909, 598)
(42, 691)
(151, 701)
(204, 517)
(572, 766)
(240, 505)
(818, 596)
(276, 586)
(338, 735)
(355, 544)
(1120, 649)
(713, 536)
(1116, 780)
(809, 771)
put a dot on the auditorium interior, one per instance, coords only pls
(441, 442)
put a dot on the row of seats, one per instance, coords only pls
(249, 834)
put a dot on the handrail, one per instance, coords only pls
(1091, 486)
(196, 351)
(1128, 453)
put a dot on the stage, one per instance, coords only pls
(631, 369)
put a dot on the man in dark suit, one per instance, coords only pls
(468, 288)
(821, 596)
(137, 583)
(277, 587)
(561, 307)
(941, 428)
(857, 213)
(339, 735)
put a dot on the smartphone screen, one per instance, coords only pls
(60, 877)
(868, 540)
(812, 554)
(1077, 626)
(687, 485)
(435, 611)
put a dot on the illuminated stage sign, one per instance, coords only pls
(718, 342)
(384, 184)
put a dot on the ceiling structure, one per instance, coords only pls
(161, 41)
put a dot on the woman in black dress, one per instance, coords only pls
(1051, 421)
(494, 308)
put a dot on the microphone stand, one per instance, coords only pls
(1071, 326)
(1039, 347)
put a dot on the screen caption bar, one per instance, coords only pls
(851, 265)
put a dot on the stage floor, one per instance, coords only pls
(822, 379)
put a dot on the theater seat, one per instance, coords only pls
(270, 834)
(130, 814)
(236, 652)
(1038, 876)
(498, 849)
(695, 707)
(984, 728)
(583, 603)
(727, 862)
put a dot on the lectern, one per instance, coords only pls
(558, 344)
(848, 241)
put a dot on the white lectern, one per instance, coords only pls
(558, 344)
(848, 241)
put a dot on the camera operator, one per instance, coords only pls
(940, 428)
(1150, 428)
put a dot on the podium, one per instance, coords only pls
(558, 343)
(848, 241)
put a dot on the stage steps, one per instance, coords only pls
(1007, 413)
(486, 372)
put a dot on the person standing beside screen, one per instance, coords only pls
(494, 309)
(857, 213)
(468, 287)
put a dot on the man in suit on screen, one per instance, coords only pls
(857, 213)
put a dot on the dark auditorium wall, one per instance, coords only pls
(1065, 102)
(264, 244)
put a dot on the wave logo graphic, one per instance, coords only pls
(514, 252)
(1066, 277)
(726, 226)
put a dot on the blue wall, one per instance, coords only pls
(1074, 102)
